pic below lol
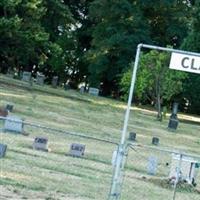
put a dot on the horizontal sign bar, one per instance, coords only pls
(184, 62)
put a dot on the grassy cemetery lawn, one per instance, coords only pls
(31, 174)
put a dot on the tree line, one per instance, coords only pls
(94, 42)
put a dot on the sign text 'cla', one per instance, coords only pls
(185, 62)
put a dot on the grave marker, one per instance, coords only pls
(93, 91)
(155, 141)
(14, 124)
(9, 107)
(77, 150)
(132, 136)
(82, 89)
(152, 165)
(26, 76)
(54, 81)
(173, 121)
(3, 149)
(41, 143)
(40, 79)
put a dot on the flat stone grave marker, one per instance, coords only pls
(40, 79)
(3, 149)
(77, 150)
(93, 91)
(54, 81)
(14, 124)
(26, 76)
(152, 165)
(41, 143)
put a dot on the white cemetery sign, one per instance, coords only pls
(14, 124)
(184, 62)
(93, 91)
(77, 150)
(3, 148)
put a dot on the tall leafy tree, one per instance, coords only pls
(22, 36)
(155, 81)
(118, 28)
(192, 43)
(167, 20)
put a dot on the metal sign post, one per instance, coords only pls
(117, 179)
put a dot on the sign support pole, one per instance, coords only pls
(115, 191)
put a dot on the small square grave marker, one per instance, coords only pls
(26, 76)
(3, 148)
(14, 124)
(93, 91)
(77, 150)
(41, 143)
(155, 141)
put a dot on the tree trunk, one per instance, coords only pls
(158, 100)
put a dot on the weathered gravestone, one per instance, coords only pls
(77, 150)
(173, 121)
(54, 81)
(14, 124)
(82, 89)
(155, 141)
(9, 107)
(3, 149)
(132, 136)
(41, 143)
(40, 79)
(26, 76)
(93, 91)
(152, 165)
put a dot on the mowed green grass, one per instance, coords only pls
(29, 174)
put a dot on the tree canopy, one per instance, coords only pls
(94, 42)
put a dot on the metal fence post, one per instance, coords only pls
(178, 176)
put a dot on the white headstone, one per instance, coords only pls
(152, 165)
(14, 124)
(93, 91)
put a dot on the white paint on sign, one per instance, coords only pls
(184, 62)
